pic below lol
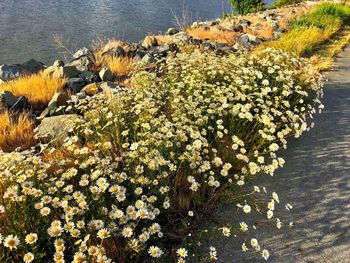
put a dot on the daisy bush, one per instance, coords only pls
(135, 170)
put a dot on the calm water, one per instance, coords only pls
(27, 27)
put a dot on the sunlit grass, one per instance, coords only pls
(299, 40)
(38, 88)
(224, 37)
(120, 66)
(16, 131)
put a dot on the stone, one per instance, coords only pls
(149, 41)
(7, 99)
(58, 63)
(56, 127)
(33, 66)
(68, 72)
(181, 37)
(171, 31)
(88, 76)
(91, 89)
(58, 100)
(75, 84)
(59, 70)
(8, 72)
(1, 81)
(82, 63)
(106, 75)
(116, 51)
(82, 52)
(13, 103)
(162, 50)
(148, 59)
(278, 33)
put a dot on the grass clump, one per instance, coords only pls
(281, 3)
(214, 34)
(37, 88)
(313, 29)
(120, 66)
(137, 172)
(16, 131)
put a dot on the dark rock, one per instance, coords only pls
(88, 76)
(106, 75)
(75, 84)
(56, 127)
(82, 63)
(117, 51)
(33, 66)
(13, 103)
(58, 100)
(8, 72)
(171, 31)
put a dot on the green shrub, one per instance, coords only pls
(134, 172)
(246, 6)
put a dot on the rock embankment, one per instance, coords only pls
(87, 75)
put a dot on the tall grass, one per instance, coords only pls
(16, 131)
(120, 66)
(312, 29)
(38, 88)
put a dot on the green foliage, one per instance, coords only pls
(326, 16)
(246, 6)
(280, 3)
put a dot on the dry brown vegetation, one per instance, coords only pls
(37, 88)
(16, 131)
(120, 66)
(214, 34)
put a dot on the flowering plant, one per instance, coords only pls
(136, 169)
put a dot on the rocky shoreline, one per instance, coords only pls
(85, 77)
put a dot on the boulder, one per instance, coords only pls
(8, 72)
(171, 31)
(149, 41)
(82, 52)
(181, 37)
(109, 88)
(13, 103)
(82, 63)
(59, 70)
(116, 51)
(56, 127)
(75, 84)
(106, 75)
(33, 66)
(88, 76)
(91, 89)
(58, 100)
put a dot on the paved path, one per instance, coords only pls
(316, 180)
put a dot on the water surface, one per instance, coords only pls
(28, 26)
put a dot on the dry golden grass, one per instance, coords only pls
(120, 66)
(161, 39)
(214, 34)
(323, 58)
(38, 88)
(16, 132)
